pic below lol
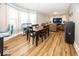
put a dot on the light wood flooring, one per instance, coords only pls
(54, 45)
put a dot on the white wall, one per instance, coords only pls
(74, 10)
(41, 18)
(3, 19)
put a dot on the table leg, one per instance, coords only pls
(37, 38)
(27, 36)
(1, 46)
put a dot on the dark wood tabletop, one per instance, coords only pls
(37, 28)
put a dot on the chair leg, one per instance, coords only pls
(33, 41)
(29, 38)
(42, 38)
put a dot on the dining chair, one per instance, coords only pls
(36, 25)
(32, 34)
(24, 27)
(45, 30)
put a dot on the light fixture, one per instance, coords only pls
(55, 13)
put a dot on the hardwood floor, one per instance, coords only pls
(54, 45)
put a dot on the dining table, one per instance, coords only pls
(37, 30)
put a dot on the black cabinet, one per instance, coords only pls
(69, 32)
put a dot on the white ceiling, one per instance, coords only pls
(46, 8)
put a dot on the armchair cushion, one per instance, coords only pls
(8, 32)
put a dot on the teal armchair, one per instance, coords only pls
(8, 31)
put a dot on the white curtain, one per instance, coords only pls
(17, 17)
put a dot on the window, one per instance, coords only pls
(32, 17)
(23, 17)
(17, 18)
(12, 16)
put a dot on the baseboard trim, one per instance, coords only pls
(76, 48)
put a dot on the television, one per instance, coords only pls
(57, 20)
